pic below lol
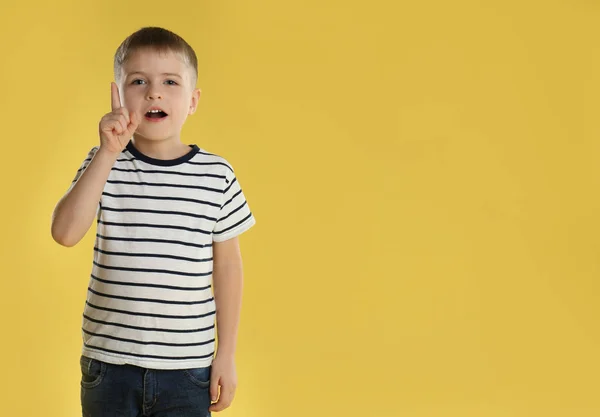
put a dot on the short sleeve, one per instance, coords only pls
(234, 216)
(84, 165)
(82, 168)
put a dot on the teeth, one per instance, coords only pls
(154, 111)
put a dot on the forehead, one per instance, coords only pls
(153, 62)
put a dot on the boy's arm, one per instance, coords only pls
(234, 218)
(227, 287)
(76, 210)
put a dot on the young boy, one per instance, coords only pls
(168, 217)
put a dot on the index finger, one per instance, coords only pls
(114, 97)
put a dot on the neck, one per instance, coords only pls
(166, 149)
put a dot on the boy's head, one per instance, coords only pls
(155, 68)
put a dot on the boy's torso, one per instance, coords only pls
(150, 300)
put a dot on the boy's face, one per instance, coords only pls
(149, 79)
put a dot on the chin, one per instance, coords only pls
(150, 136)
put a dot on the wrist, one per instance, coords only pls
(107, 154)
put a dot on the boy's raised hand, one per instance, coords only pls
(118, 126)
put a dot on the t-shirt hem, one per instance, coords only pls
(147, 363)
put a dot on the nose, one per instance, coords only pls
(154, 94)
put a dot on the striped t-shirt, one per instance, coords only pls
(149, 301)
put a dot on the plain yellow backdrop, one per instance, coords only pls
(424, 177)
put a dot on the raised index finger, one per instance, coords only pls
(114, 97)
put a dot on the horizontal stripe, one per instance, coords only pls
(231, 199)
(157, 271)
(157, 226)
(139, 342)
(157, 171)
(150, 356)
(226, 190)
(149, 329)
(158, 184)
(158, 197)
(136, 239)
(149, 300)
(152, 255)
(233, 226)
(144, 284)
(199, 163)
(161, 316)
(233, 211)
(173, 213)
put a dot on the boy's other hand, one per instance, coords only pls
(223, 375)
(118, 126)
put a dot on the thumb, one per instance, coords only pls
(214, 388)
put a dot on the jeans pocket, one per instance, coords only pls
(199, 376)
(92, 371)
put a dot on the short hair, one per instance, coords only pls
(157, 39)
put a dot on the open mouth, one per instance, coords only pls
(156, 114)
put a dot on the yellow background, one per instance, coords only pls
(424, 177)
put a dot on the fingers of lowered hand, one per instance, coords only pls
(214, 387)
(225, 398)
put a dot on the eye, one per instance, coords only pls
(136, 81)
(171, 81)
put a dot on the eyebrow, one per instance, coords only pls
(171, 74)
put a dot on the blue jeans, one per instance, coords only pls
(109, 390)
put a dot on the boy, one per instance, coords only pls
(168, 218)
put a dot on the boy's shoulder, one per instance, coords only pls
(205, 156)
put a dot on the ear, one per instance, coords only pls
(195, 99)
